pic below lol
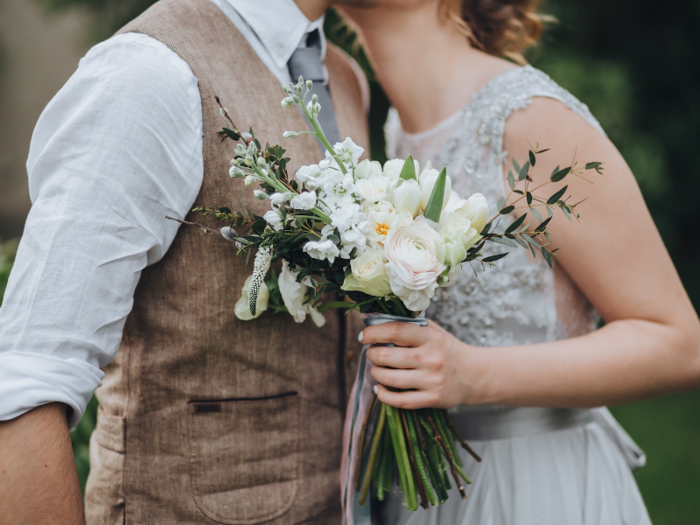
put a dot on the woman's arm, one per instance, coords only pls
(651, 341)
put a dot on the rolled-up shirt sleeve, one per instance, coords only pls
(117, 149)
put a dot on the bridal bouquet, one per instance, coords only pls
(383, 239)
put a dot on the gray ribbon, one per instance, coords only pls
(306, 62)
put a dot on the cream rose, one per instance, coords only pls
(413, 266)
(368, 274)
(242, 308)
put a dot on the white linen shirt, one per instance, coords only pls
(117, 149)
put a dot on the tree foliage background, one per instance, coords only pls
(634, 63)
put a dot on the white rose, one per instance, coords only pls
(476, 209)
(274, 219)
(304, 201)
(374, 189)
(322, 249)
(294, 294)
(368, 274)
(413, 266)
(427, 183)
(368, 169)
(456, 227)
(407, 197)
(242, 308)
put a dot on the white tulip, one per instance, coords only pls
(407, 197)
(242, 308)
(393, 167)
(274, 219)
(427, 183)
(476, 209)
(294, 294)
(413, 267)
(368, 169)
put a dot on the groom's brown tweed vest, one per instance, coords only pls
(204, 418)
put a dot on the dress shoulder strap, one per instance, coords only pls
(514, 90)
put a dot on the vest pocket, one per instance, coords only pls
(244, 457)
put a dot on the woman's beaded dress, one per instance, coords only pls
(575, 476)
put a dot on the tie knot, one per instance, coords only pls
(306, 62)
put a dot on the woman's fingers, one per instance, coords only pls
(404, 379)
(394, 357)
(401, 334)
(409, 400)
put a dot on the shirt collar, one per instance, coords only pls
(279, 25)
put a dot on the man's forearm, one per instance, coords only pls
(38, 480)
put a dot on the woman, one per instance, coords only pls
(456, 103)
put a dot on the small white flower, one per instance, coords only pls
(290, 134)
(348, 151)
(323, 249)
(274, 219)
(260, 195)
(287, 101)
(304, 201)
(223, 112)
(373, 189)
(346, 217)
(339, 188)
(250, 180)
(277, 199)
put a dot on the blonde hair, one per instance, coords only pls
(498, 27)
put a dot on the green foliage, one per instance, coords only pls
(7, 258)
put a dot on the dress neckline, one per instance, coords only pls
(457, 114)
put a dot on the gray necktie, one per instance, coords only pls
(306, 62)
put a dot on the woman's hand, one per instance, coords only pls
(433, 367)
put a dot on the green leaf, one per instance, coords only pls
(549, 211)
(543, 225)
(526, 227)
(501, 203)
(529, 198)
(486, 229)
(516, 165)
(229, 133)
(554, 198)
(521, 242)
(547, 257)
(501, 240)
(530, 240)
(493, 258)
(593, 165)
(507, 210)
(536, 214)
(408, 171)
(532, 157)
(511, 179)
(542, 151)
(433, 210)
(517, 222)
(523, 171)
(559, 175)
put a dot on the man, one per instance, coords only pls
(203, 418)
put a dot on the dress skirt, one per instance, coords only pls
(576, 476)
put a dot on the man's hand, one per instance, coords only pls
(38, 479)
(433, 367)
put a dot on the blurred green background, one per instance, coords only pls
(635, 64)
